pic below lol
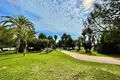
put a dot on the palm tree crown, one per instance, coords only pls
(21, 27)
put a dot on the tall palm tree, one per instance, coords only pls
(26, 35)
(21, 27)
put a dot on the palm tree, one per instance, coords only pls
(2, 35)
(6, 37)
(26, 35)
(21, 27)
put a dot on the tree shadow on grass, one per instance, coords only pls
(45, 52)
(91, 53)
(7, 53)
(34, 52)
(10, 58)
(38, 52)
(95, 53)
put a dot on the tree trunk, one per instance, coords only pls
(17, 45)
(1, 49)
(25, 49)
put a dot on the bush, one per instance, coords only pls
(109, 48)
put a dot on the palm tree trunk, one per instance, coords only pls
(25, 49)
(17, 45)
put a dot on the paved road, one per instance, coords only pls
(107, 60)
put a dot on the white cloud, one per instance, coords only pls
(87, 3)
(63, 17)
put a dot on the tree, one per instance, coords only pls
(21, 27)
(83, 36)
(38, 44)
(55, 37)
(67, 41)
(87, 44)
(6, 37)
(60, 44)
(78, 43)
(104, 21)
(70, 43)
(50, 38)
(43, 43)
(89, 32)
(51, 41)
(26, 35)
(42, 36)
(64, 40)
(64, 36)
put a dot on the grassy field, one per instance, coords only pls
(53, 66)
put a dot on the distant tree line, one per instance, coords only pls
(42, 42)
(19, 32)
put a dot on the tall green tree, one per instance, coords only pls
(26, 36)
(21, 27)
(83, 36)
(89, 32)
(6, 37)
(50, 38)
(78, 43)
(55, 37)
(42, 36)
(105, 20)
(67, 41)
(50, 41)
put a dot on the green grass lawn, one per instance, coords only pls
(53, 66)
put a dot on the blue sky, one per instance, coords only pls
(51, 16)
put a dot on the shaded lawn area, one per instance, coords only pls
(54, 66)
(94, 53)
